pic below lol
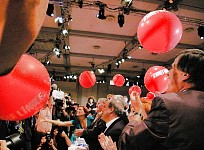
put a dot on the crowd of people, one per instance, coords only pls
(173, 120)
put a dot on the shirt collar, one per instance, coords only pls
(110, 122)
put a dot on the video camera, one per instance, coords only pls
(58, 97)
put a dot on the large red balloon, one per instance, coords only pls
(135, 88)
(25, 90)
(159, 31)
(87, 79)
(150, 95)
(118, 80)
(156, 79)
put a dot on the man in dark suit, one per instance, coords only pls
(98, 125)
(175, 120)
(115, 117)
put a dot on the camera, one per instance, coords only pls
(48, 137)
(58, 103)
(14, 141)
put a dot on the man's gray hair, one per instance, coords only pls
(103, 100)
(118, 103)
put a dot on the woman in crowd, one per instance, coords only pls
(91, 105)
(82, 121)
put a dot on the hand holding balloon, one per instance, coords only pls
(150, 95)
(135, 88)
(156, 79)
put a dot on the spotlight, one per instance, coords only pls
(117, 64)
(126, 3)
(66, 47)
(121, 20)
(140, 47)
(65, 32)
(171, 5)
(101, 71)
(57, 51)
(92, 67)
(129, 57)
(59, 20)
(50, 10)
(101, 13)
(201, 32)
(80, 2)
(48, 62)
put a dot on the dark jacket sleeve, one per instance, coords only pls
(149, 133)
(95, 131)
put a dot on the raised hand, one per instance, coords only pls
(106, 142)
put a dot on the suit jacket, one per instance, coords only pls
(115, 129)
(91, 134)
(175, 122)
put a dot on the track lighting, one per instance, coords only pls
(50, 10)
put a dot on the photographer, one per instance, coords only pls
(46, 143)
(53, 140)
(41, 128)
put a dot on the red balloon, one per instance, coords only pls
(159, 31)
(135, 88)
(87, 79)
(156, 79)
(25, 90)
(150, 95)
(118, 80)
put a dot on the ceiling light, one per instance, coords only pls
(121, 20)
(47, 62)
(201, 32)
(110, 17)
(101, 14)
(75, 77)
(57, 51)
(171, 5)
(101, 71)
(126, 3)
(50, 10)
(80, 2)
(65, 32)
(140, 47)
(129, 57)
(59, 20)
(66, 47)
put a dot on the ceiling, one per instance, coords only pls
(96, 43)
